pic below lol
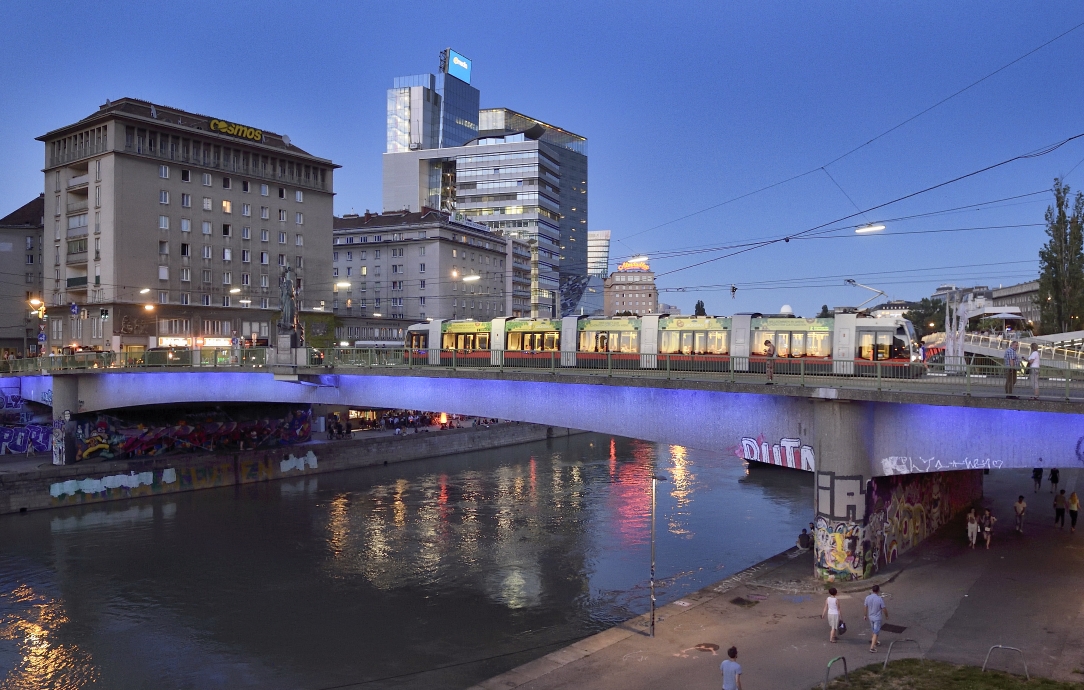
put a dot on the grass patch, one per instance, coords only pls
(919, 674)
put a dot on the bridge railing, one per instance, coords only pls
(255, 357)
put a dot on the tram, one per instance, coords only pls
(845, 343)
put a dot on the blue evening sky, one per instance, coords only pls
(685, 105)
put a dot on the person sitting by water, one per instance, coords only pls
(804, 541)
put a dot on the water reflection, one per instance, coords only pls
(382, 573)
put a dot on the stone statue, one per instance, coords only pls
(288, 299)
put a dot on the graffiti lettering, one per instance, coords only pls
(22, 439)
(897, 464)
(782, 453)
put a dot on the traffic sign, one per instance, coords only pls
(41, 338)
(74, 309)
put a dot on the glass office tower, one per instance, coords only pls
(430, 111)
(598, 253)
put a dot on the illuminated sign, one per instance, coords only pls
(217, 342)
(236, 130)
(174, 342)
(458, 66)
(634, 266)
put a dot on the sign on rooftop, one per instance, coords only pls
(458, 66)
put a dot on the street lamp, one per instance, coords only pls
(654, 479)
(869, 227)
(471, 279)
(144, 291)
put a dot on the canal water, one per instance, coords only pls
(431, 574)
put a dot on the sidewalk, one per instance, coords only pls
(1025, 592)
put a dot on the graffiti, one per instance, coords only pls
(132, 326)
(292, 463)
(113, 481)
(47, 396)
(842, 550)
(906, 465)
(108, 438)
(58, 441)
(35, 438)
(789, 452)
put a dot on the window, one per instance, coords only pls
(421, 285)
(205, 300)
(206, 179)
(421, 302)
(282, 215)
(246, 256)
(227, 279)
(163, 295)
(349, 271)
(246, 209)
(263, 283)
(421, 268)
(282, 238)
(227, 230)
(244, 186)
(225, 300)
(397, 268)
(186, 176)
(163, 197)
(334, 273)
(207, 205)
(299, 241)
(263, 258)
(299, 218)
(282, 192)
(376, 254)
(334, 256)
(299, 261)
(163, 172)
(97, 196)
(263, 236)
(396, 285)
(163, 273)
(29, 259)
(265, 212)
(264, 302)
(282, 259)
(263, 190)
(361, 255)
(184, 298)
(226, 183)
(245, 279)
(350, 256)
(227, 206)
(397, 252)
(163, 222)
(186, 200)
(186, 275)
(227, 254)
(421, 251)
(364, 270)
(299, 196)
(206, 227)
(246, 233)
(163, 248)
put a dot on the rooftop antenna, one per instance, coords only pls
(879, 293)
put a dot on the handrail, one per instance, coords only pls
(889, 655)
(998, 646)
(824, 685)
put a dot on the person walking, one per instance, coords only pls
(972, 527)
(1059, 509)
(986, 526)
(769, 363)
(731, 670)
(1020, 508)
(1055, 478)
(1074, 509)
(1037, 477)
(875, 613)
(831, 610)
(1033, 372)
(1012, 361)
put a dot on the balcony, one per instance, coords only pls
(258, 173)
(77, 207)
(78, 282)
(75, 153)
(77, 258)
(80, 181)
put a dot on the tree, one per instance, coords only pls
(1061, 264)
(699, 309)
(928, 316)
(825, 314)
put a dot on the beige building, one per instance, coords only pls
(20, 263)
(410, 266)
(631, 288)
(168, 228)
(1023, 296)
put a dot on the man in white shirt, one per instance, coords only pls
(1033, 371)
(731, 670)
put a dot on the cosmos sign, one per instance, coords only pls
(236, 130)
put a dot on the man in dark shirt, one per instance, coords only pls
(804, 540)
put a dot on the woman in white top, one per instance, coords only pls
(831, 609)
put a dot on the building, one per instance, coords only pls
(517, 175)
(671, 309)
(598, 253)
(1024, 296)
(956, 294)
(631, 289)
(21, 254)
(897, 307)
(410, 266)
(170, 228)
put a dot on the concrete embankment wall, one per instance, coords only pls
(67, 485)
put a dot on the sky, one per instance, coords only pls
(686, 106)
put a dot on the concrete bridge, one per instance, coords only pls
(894, 459)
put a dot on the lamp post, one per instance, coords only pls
(654, 479)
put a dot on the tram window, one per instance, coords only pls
(717, 343)
(551, 341)
(515, 340)
(900, 346)
(602, 341)
(797, 344)
(700, 343)
(669, 342)
(447, 341)
(419, 341)
(630, 341)
(818, 344)
(884, 341)
(782, 344)
(482, 341)
(761, 336)
(687, 343)
(866, 340)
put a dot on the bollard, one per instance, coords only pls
(824, 685)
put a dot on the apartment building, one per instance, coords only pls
(170, 228)
(631, 290)
(20, 263)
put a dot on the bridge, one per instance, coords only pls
(896, 450)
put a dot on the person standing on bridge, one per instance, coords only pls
(1012, 361)
(1037, 476)
(1059, 509)
(1033, 372)
(769, 363)
(1020, 508)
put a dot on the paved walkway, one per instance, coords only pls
(1025, 592)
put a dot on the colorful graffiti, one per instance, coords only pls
(108, 438)
(842, 550)
(789, 452)
(31, 438)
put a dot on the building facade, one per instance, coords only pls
(631, 289)
(1024, 296)
(598, 253)
(169, 228)
(21, 254)
(414, 266)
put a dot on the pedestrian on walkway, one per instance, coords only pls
(731, 670)
(1055, 477)
(1020, 507)
(1059, 509)
(1033, 372)
(1012, 361)
(1074, 509)
(986, 525)
(1037, 476)
(769, 362)
(831, 610)
(972, 527)
(875, 613)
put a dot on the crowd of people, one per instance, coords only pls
(400, 422)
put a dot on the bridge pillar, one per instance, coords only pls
(65, 399)
(843, 442)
